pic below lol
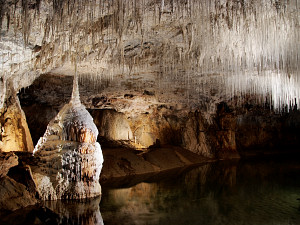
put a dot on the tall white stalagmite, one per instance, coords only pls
(75, 99)
(70, 158)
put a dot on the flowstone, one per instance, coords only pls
(69, 160)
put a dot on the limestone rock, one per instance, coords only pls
(69, 158)
(7, 160)
(144, 135)
(16, 189)
(14, 195)
(179, 45)
(14, 132)
(195, 136)
(224, 133)
(114, 125)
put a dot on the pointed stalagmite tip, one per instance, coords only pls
(75, 99)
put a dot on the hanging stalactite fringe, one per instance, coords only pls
(253, 44)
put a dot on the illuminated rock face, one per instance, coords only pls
(69, 158)
(14, 132)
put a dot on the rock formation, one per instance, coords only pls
(14, 132)
(7, 160)
(114, 125)
(13, 194)
(69, 158)
(195, 136)
(137, 56)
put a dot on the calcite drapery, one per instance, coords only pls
(69, 158)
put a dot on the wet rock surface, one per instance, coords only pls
(56, 212)
(206, 51)
(85, 211)
(260, 131)
(195, 135)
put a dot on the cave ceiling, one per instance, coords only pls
(200, 52)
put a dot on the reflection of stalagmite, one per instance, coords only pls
(70, 159)
(78, 212)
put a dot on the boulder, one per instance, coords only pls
(14, 195)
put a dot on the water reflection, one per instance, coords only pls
(235, 193)
(219, 193)
(85, 212)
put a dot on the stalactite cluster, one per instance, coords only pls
(234, 47)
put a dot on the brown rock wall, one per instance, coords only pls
(7, 160)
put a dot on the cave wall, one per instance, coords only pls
(139, 121)
(157, 70)
(262, 131)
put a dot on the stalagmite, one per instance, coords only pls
(69, 158)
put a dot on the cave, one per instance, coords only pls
(149, 112)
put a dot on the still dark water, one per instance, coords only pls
(264, 192)
(241, 193)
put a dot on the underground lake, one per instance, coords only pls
(254, 191)
(135, 112)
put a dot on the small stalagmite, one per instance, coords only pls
(69, 158)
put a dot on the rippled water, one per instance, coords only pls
(237, 193)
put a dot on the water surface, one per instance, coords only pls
(254, 192)
(264, 192)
